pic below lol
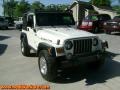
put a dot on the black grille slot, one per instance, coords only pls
(82, 46)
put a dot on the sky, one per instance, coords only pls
(46, 2)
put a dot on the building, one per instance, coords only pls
(105, 11)
(81, 9)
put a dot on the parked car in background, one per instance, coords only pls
(94, 23)
(3, 23)
(112, 25)
(10, 21)
(19, 23)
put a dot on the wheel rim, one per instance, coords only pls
(43, 66)
(22, 47)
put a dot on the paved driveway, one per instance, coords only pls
(17, 69)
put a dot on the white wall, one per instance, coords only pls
(75, 13)
(105, 11)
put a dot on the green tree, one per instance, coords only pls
(117, 9)
(101, 2)
(9, 8)
(61, 7)
(22, 7)
(51, 7)
(37, 5)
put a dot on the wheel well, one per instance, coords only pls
(23, 35)
(49, 48)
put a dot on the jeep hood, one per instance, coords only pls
(54, 34)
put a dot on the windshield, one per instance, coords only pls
(48, 19)
(104, 17)
(98, 17)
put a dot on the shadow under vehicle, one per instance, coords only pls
(108, 71)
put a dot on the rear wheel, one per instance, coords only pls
(47, 66)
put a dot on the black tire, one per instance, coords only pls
(50, 72)
(25, 49)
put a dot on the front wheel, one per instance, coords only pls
(47, 66)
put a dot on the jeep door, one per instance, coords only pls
(30, 31)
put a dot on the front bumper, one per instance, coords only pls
(86, 28)
(82, 59)
(2, 26)
(112, 28)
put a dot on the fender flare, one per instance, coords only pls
(49, 48)
(24, 35)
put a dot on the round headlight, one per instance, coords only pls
(68, 45)
(95, 41)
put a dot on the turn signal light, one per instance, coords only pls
(60, 50)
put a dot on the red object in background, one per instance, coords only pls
(86, 25)
(94, 23)
(112, 25)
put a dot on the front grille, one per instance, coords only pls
(82, 46)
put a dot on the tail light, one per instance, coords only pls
(84, 23)
(90, 24)
(87, 23)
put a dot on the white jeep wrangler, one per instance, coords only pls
(57, 42)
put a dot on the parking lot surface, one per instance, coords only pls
(15, 69)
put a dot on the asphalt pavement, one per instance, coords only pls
(16, 69)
